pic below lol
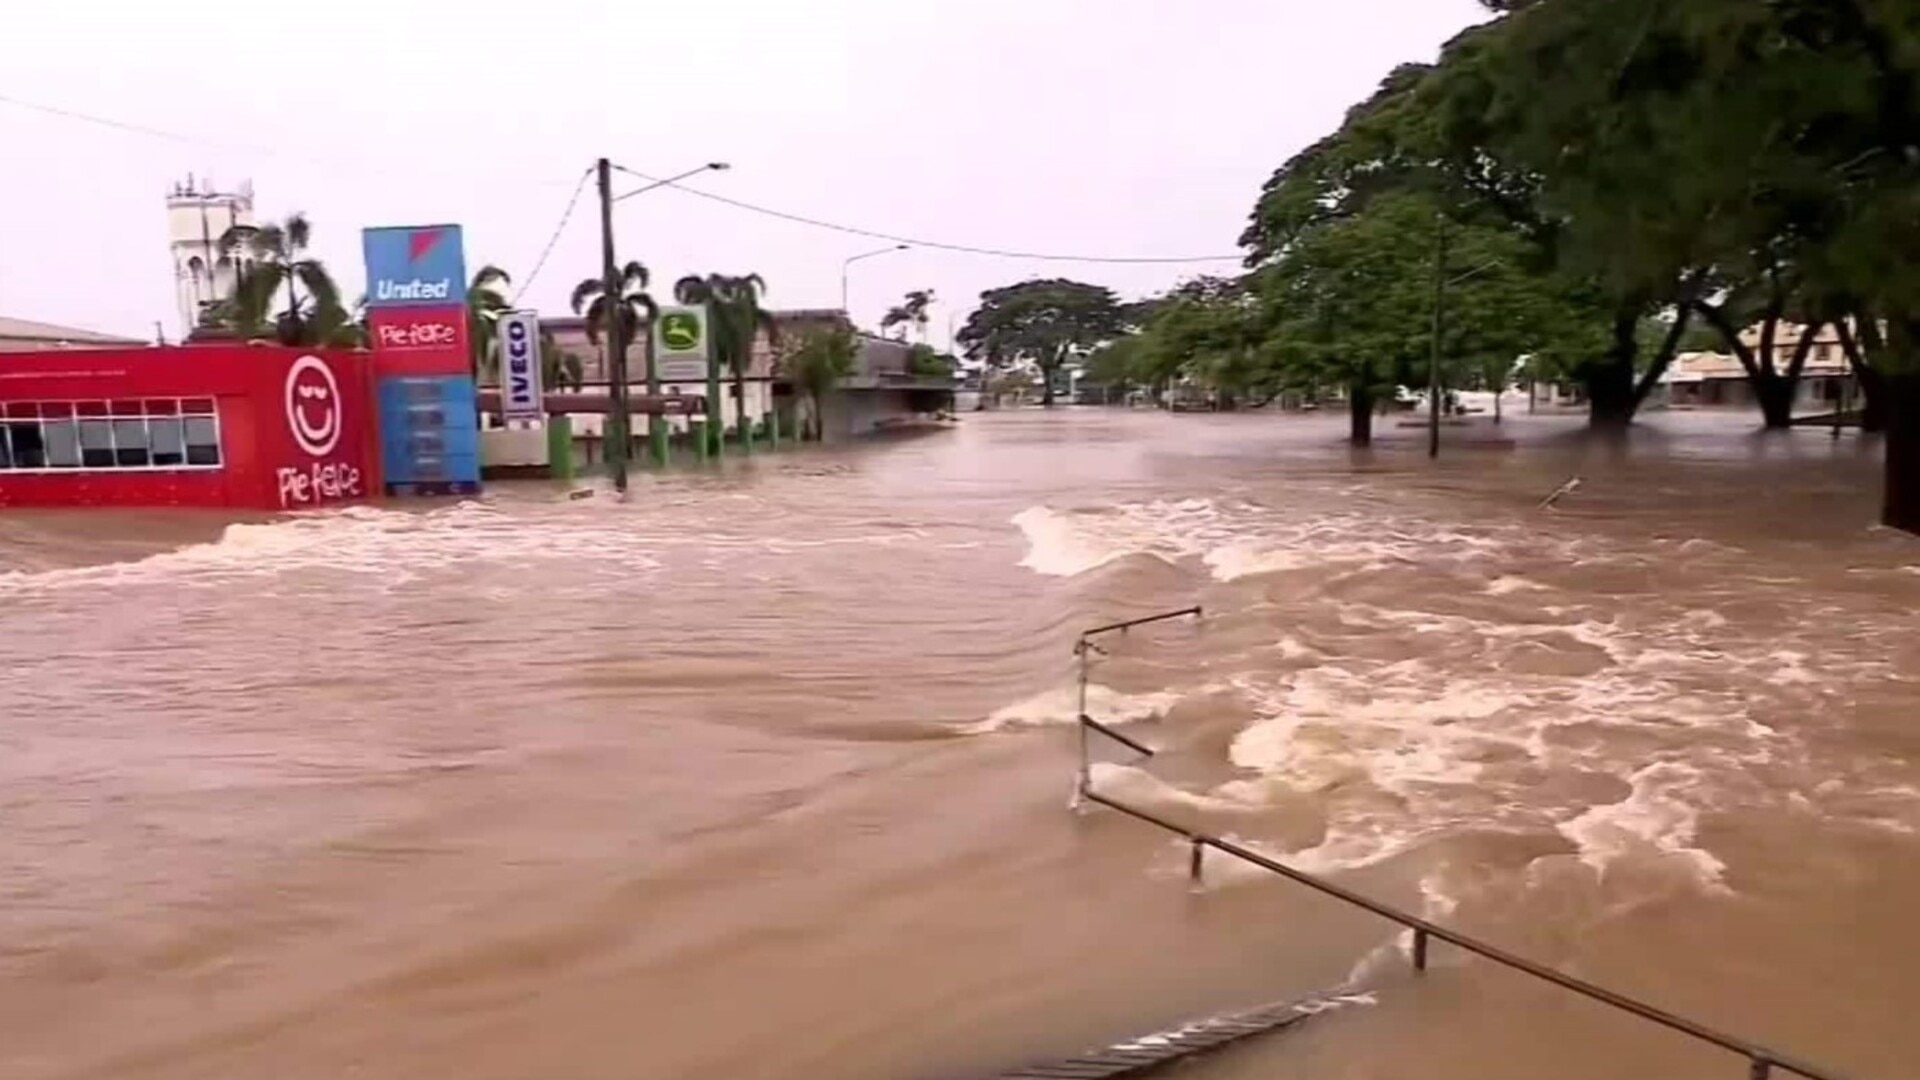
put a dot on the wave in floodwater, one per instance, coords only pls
(1419, 681)
(524, 785)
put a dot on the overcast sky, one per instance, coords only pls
(1083, 127)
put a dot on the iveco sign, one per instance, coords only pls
(414, 265)
(520, 366)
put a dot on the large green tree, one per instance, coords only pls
(816, 363)
(1746, 160)
(1353, 304)
(1041, 322)
(735, 320)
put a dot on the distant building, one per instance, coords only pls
(882, 390)
(198, 215)
(1711, 378)
(25, 335)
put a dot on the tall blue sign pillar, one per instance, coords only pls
(417, 319)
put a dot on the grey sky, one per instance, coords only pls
(1106, 127)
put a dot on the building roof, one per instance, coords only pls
(17, 335)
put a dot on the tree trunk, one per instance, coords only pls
(1360, 413)
(1610, 392)
(1873, 399)
(740, 409)
(1775, 397)
(1873, 389)
(1900, 395)
(1046, 387)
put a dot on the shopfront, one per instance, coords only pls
(199, 425)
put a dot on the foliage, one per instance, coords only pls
(926, 362)
(910, 312)
(1040, 322)
(818, 361)
(313, 315)
(736, 319)
(636, 309)
(1353, 304)
(486, 302)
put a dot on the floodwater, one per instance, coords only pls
(766, 774)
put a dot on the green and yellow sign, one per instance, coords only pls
(680, 344)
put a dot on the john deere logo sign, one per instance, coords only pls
(680, 342)
(680, 332)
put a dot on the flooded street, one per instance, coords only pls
(765, 774)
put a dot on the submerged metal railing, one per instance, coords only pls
(1761, 1060)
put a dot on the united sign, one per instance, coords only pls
(414, 265)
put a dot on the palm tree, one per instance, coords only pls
(486, 302)
(736, 318)
(910, 312)
(279, 257)
(631, 313)
(636, 310)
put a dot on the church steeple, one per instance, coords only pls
(198, 215)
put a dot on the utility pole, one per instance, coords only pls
(1433, 363)
(618, 440)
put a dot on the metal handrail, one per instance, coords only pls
(1083, 650)
(1761, 1060)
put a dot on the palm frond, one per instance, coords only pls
(268, 243)
(488, 279)
(312, 273)
(583, 292)
(254, 297)
(596, 315)
(693, 289)
(634, 275)
(298, 231)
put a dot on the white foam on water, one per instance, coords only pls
(1656, 819)
(1508, 584)
(1231, 562)
(1140, 788)
(1061, 705)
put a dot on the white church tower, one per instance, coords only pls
(198, 215)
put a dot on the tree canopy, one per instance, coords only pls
(1041, 322)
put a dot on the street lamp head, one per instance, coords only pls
(718, 166)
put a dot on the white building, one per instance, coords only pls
(198, 215)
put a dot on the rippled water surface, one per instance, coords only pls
(765, 773)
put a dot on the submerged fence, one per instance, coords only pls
(1761, 1061)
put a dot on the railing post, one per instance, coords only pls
(1419, 949)
(1760, 1069)
(1194, 860)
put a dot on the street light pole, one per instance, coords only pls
(1433, 363)
(711, 166)
(845, 266)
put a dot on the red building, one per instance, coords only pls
(198, 425)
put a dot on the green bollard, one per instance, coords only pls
(698, 429)
(560, 447)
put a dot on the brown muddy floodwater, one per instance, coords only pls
(765, 774)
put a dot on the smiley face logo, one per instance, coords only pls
(313, 406)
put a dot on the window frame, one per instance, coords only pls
(73, 412)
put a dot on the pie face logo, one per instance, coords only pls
(313, 406)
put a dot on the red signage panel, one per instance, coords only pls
(419, 340)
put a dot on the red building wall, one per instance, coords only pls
(294, 428)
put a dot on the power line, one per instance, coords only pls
(129, 127)
(936, 244)
(565, 216)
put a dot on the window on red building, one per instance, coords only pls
(109, 436)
